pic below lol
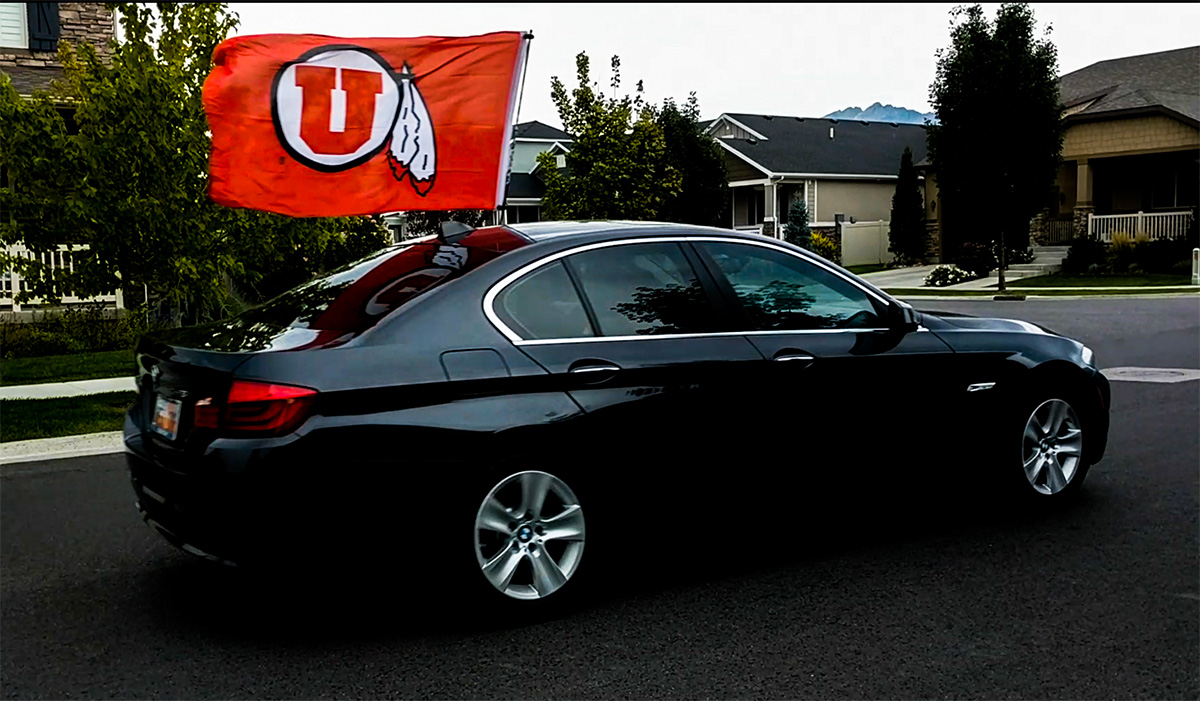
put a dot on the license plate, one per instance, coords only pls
(166, 417)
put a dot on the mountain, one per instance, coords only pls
(883, 113)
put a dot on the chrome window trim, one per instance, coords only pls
(489, 298)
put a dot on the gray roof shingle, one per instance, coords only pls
(1167, 80)
(802, 145)
(537, 130)
(524, 186)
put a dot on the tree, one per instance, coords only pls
(997, 147)
(617, 167)
(796, 229)
(428, 223)
(129, 178)
(908, 238)
(703, 197)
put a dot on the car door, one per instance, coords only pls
(840, 377)
(641, 342)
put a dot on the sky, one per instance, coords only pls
(801, 60)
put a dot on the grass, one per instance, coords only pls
(65, 368)
(1078, 280)
(989, 293)
(863, 269)
(26, 419)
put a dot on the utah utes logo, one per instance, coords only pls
(335, 107)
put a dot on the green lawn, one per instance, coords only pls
(64, 368)
(903, 292)
(862, 269)
(25, 419)
(1078, 280)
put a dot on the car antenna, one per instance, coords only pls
(453, 232)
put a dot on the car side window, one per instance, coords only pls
(543, 304)
(643, 289)
(780, 291)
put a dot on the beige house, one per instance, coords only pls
(841, 169)
(1131, 153)
(1132, 145)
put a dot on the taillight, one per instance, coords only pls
(259, 409)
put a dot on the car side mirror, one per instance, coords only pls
(904, 317)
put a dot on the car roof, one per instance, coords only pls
(542, 231)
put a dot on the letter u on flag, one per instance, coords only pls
(315, 126)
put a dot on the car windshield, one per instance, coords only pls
(360, 294)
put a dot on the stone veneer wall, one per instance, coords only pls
(79, 22)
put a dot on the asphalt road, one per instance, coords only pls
(916, 599)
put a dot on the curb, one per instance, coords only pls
(63, 447)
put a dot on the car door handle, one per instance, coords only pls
(593, 372)
(587, 367)
(794, 356)
(594, 368)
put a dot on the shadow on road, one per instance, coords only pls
(319, 604)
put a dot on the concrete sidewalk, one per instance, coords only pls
(77, 388)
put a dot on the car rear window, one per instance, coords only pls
(360, 294)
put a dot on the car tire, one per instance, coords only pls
(1048, 462)
(529, 538)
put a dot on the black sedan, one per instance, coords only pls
(502, 397)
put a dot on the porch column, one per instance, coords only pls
(770, 206)
(1083, 197)
(732, 208)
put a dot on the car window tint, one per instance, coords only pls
(643, 289)
(780, 291)
(543, 304)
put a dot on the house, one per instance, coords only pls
(1130, 151)
(30, 32)
(1132, 145)
(841, 169)
(523, 197)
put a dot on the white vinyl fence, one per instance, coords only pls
(11, 283)
(866, 243)
(1163, 225)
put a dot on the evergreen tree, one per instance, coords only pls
(908, 238)
(796, 230)
(997, 145)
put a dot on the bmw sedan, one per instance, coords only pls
(514, 399)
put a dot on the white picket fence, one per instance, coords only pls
(1160, 225)
(11, 283)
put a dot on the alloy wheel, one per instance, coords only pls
(1052, 446)
(529, 535)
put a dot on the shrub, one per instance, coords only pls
(944, 275)
(1086, 255)
(84, 329)
(976, 258)
(826, 247)
(1019, 256)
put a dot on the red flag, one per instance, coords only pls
(315, 126)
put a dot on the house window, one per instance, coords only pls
(14, 30)
(524, 214)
